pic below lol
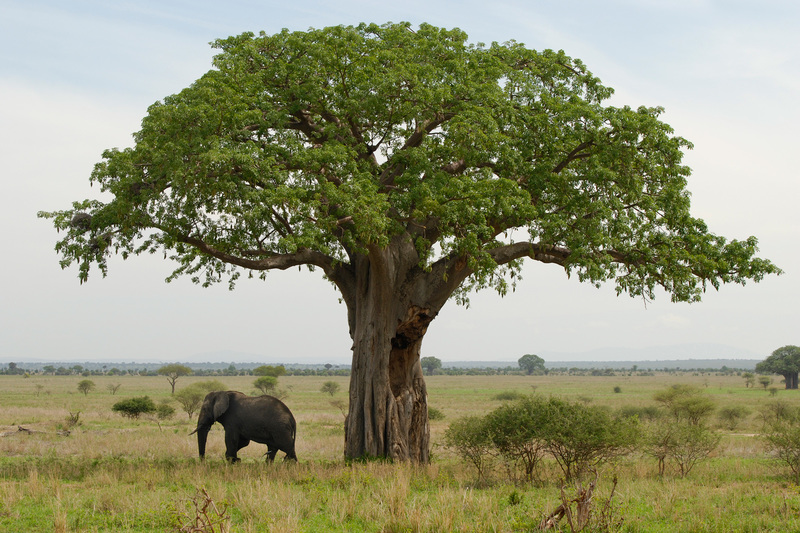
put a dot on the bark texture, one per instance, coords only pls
(391, 302)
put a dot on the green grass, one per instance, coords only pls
(115, 474)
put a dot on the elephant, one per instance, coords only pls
(262, 419)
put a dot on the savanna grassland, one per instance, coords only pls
(116, 474)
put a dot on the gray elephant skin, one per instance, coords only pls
(262, 419)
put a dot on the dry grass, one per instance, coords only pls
(114, 474)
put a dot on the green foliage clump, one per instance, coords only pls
(680, 442)
(531, 364)
(644, 413)
(685, 438)
(784, 361)
(508, 396)
(191, 398)
(686, 402)
(173, 372)
(266, 384)
(577, 436)
(269, 370)
(469, 437)
(730, 416)
(85, 386)
(165, 411)
(435, 414)
(782, 435)
(329, 387)
(430, 364)
(134, 407)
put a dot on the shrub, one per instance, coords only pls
(577, 436)
(681, 442)
(782, 435)
(518, 430)
(435, 414)
(686, 402)
(777, 411)
(693, 443)
(730, 416)
(469, 437)
(508, 396)
(617, 389)
(580, 436)
(266, 384)
(646, 413)
(190, 398)
(209, 385)
(329, 387)
(134, 407)
(165, 411)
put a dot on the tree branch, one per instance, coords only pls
(539, 252)
(303, 256)
(422, 130)
(574, 156)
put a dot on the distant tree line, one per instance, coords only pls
(431, 366)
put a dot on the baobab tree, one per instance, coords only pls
(410, 167)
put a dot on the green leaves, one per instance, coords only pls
(315, 147)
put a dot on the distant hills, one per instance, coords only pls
(656, 353)
(683, 356)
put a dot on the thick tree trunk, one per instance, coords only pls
(388, 414)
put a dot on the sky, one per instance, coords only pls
(77, 77)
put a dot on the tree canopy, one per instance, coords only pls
(411, 167)
(531, 363)
(173, 372)
(431, 364)
(784, 361)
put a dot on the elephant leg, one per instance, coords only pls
(232, 446)
(271, 452)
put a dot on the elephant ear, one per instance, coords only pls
(221, 405)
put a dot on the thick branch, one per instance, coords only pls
(539, 252)
(303, 256)
(391, 172)
(574, 156)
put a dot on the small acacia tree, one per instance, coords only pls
(410, 167)
(86, 386)
(266, 384)
(190, 398)
(173, 372)
(329, 387)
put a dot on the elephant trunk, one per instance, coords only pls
(202, 437)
